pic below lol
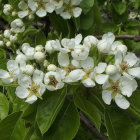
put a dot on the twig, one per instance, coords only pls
(91, 128)
(123, 37)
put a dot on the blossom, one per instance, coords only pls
(53, 81)
(70, 9)
(7, 9)
(111, 70)
(57, 3)
(116, 88)
(17, 26)
(126, 63)
(12, 73)
(31, 88)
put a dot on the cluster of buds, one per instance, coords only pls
(35, 71)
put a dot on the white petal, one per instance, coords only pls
(31, 99)
(41, 12)
(107, 96)
(32, 5)
(78, 39)
(118, 59)
(49, 7)
(88, 63)
(24, 80)
(60, 85)
(101, 78)
(88, 82)
(121, 101)
(77, 12)
(22, 92)
(23, 14)
(22, 5)
(90, 41)
(65, 15)
(131, 59)
(12, 65)
(8, 81)
(109, 37)
(75, 75)
(134, 72)
(51, 88)
(63, 59)
(101, 67)
(75, 2)
(4, 74)
(38, 76)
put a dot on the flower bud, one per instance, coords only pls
(51, 67)
(7, 9)
(111, 69)
(20, 57)
(13, 38)
(45, 63)
(31, 17)
(14, 13)
(7, 33)
(29, 69)
(39, 48)
(8, 44)
(39, 56)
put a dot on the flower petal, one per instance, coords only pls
(31, 99)
(77, 12)
(41, 12)
(63, 59)
(100, 68)
(134, 72)
(88, 82)
(24, 80)
(22, 92)
(121, 101)
(107, 96)
(101, 78)
(4, 74)
(87, 63)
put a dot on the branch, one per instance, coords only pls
(123, 37)
(91, 128)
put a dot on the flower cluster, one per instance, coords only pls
(35, 73)
(65, 8)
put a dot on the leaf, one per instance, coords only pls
(67, 125)
(119, 126)
(89, 109)
(120, 7)
(48, 110)
(8, 125)
(4, 106)
(40, 38)
(86, 5)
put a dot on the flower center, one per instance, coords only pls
(53, 81)
(124, 66)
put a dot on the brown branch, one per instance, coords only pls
(123, 37)
(92, 129)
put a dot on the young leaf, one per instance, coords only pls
(48, 110)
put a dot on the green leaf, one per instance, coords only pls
(119, 126)
(86, 5)
(40, 38)
(4, 106)
(67, 125)
(89, 109)
(120, 7)
(8, 125)
(48, 110)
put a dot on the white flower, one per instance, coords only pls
(51, 67)
(7, 33)
(1, 43)
(69, 71)
(80, 52)
(57, 3)
(104, 45)
(117, 47)
(20, 57)
(53, 81)
(8, 44)
(127, 65)
(90, 41)
(69, 44)
(39, 48)
(70, 9)
(30, 88)
(17, 26)
(111, 69)
(28, 51)
(12, 73)
(7, 9)
(29, 69)
(13, 38)
(39, 56)
(116, 88)
(52, 45)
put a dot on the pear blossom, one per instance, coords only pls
(31, 88)
(116, 88)
(17, 26)
(7, 9)
(53, 81)
(70, 8)
(12, 73)
(111, 70)
(126, 63)
(57, 3)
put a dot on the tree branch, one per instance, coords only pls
(91, 128)
(123, 37)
